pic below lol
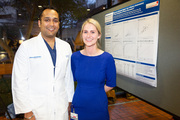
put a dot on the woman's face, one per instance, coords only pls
(90, 35)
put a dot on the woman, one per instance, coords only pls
(95, 73)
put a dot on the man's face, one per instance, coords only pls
(49, 23)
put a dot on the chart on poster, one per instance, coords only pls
(131, 36)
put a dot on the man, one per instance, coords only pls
(42, 82)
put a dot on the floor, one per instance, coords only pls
(135, 109)
(131, 109)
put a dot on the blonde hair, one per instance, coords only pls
(96, 24)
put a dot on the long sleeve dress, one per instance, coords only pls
(92, 73)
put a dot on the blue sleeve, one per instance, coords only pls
(111, 72)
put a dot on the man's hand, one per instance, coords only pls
(29, 116)
(69, 110)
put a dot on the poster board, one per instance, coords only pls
(131, 36)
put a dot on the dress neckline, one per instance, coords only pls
(91, 56)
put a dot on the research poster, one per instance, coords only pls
(131, 36)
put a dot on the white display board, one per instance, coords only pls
(131, 36)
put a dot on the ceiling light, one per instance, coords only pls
(20, 41)
(39, 6)
(22, 38)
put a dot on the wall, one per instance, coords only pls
(166, 95)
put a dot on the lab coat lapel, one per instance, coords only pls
(60, 58)
(58, 55)
(44, 51)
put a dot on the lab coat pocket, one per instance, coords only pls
(61, 66)
(62, 103)
(35, 60)
(39, 106)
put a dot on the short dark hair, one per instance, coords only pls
(44, 8)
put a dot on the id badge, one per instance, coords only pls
(74, 116)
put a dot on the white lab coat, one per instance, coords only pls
(35, 87)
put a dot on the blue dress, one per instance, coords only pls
(92, 73)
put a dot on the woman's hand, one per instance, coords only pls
(106, 88)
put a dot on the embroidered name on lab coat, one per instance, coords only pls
(35, 57)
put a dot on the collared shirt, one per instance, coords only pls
(52, 52)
